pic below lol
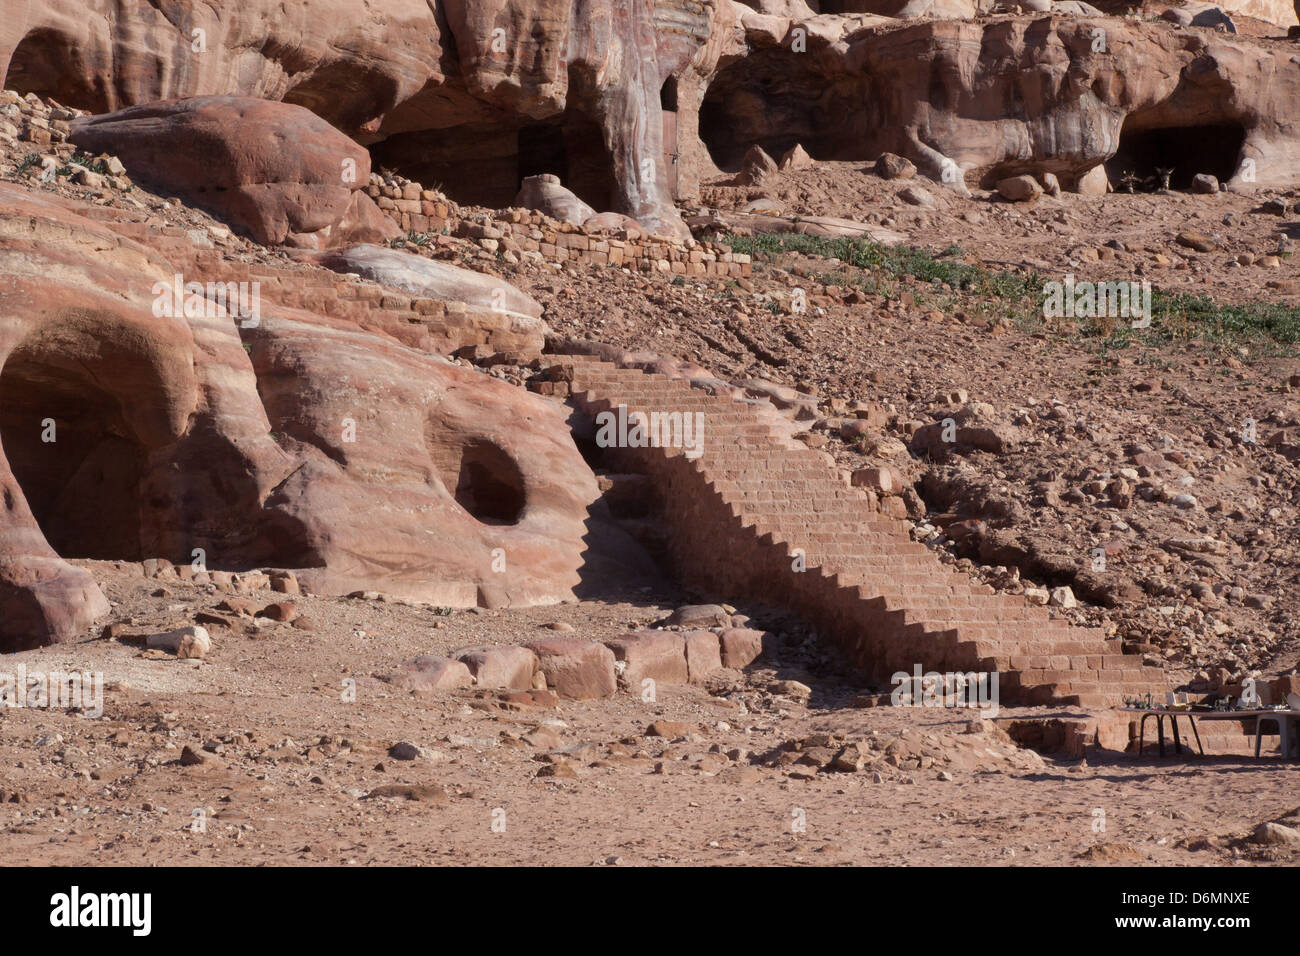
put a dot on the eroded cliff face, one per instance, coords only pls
(133, 427)
(973, 101)
(476, 94)
(632, 104)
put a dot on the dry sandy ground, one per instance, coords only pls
(1056, 235)
(297, 766)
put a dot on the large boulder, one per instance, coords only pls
(545, 194)
(576, 668)
(278, 172)
(419, 477)
(125, 432)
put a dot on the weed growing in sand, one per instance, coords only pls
(413, 238)
(1176, 316)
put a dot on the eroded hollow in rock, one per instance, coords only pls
(485, 163)
(83, 486)
(483, 479)
(49, 63)
(1187, 150)
(773, 99)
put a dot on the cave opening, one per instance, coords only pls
(542, 150)
(75, 458)
(483, 479)
(668, 95)
(49, 64)
(776, 99)
(483, 164)
(1187, 150)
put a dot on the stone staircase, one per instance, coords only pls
(736, 514)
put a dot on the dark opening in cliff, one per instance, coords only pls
(75, 458)
(1187, 150)
(483, 164)
(483, 479)
(774, 99)
(50, 64)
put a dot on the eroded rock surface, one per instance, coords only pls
(974, 102)
(473, 93)
(132, 429)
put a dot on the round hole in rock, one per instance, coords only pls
(483, 479)
(83, 486)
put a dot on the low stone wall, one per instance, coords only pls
(518, 234)
(431, 325)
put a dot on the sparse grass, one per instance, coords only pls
(894, 262)
(94, 165)
(1175, 316)
(415, 238)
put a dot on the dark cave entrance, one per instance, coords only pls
(542, 150)
(483, 479)
(668, 95)
(48, 63)
(774, 99)
(484, 164)
(1187, 150)
(668, 110)
(83, 486)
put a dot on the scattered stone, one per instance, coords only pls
(695, 616)
(190, 642)
(1275, 834)
(672, 729)
(1062, 597)
(423, 793)
(1197, 241)
(916, 196)
(576, 668)
(893, 166)
(428, 675)
(1019, 188)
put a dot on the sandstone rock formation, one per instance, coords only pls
(476, 94)
(545, 194)
(1201, 101)
(133, 426)
(277, 171)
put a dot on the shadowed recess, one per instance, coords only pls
(1187, 150)
(483, 479)
(83, 486)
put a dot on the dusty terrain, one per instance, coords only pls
(1082, 404)
(298, 776)
(1150, 473)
